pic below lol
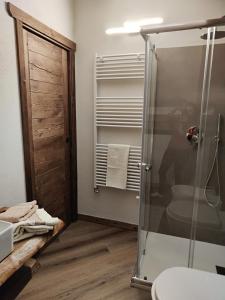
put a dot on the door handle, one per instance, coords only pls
(147, 167)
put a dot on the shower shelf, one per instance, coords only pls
(113, 108)
(133, 172)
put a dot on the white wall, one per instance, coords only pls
(58, 14)
(92, 17)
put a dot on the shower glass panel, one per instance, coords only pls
(147, 143)
(171, 150)
(208, 246)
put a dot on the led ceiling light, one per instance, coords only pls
(134, 26)
(143, 22)
(119, 30)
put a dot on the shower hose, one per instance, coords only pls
(215, 164)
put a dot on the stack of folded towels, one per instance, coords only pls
(28, 220)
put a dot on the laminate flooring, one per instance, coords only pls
(88, 261)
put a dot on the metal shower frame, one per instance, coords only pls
(146, 31)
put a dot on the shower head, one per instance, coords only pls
(218, 35)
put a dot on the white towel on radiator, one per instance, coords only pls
(117, 162)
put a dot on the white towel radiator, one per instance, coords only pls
(117, 112)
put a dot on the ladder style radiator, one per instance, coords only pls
(111, 110)
(123, 66)
(133, 172)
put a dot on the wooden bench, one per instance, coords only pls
(16, 269)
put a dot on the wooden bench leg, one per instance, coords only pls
(15, 284)
(33, 264)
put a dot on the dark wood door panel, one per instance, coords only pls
(41, 46)
(48, 127)
(52, 180)
(45, 144)
(47, 68)
(42, 112)
(45, 166)
(45, 101)
(42, 75)
(52, 191)
(44, 158)
(46, 105)
(54, 204)
(45, 63)
(47, 86)
(50, 110)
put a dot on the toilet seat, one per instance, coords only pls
(188, 284)
(181, 211)
(182, 191)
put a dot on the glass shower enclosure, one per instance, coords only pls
(182, 201)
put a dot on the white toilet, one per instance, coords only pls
(181, 283)
(180, 210)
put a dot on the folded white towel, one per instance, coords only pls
(117, 162)
(19, 212)
(39, 223)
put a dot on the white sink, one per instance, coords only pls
(6, 239)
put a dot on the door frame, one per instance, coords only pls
(25, 21)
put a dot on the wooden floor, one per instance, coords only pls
(88, 262)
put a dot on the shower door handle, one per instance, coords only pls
(147, 167)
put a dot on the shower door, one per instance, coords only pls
(208, 228)
(147, 144)
(176, 105)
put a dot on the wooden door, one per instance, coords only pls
(47, 86)
(46, 76)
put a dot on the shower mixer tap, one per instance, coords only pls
(192, 135)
